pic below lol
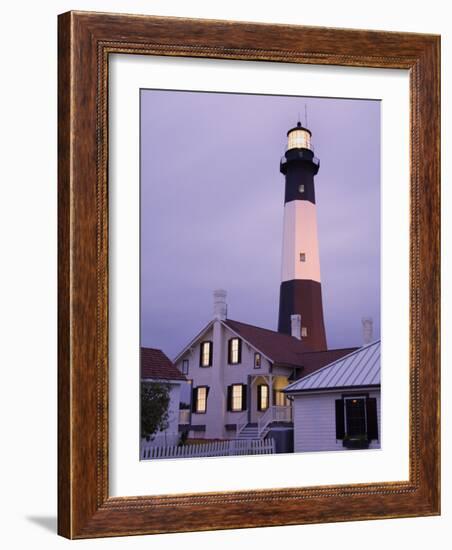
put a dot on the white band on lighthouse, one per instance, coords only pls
(300, 255)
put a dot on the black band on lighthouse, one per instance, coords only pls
(299, 166)
(303, 297)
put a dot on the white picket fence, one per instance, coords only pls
(231, 447)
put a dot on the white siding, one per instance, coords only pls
(221, 374)
(315, 421)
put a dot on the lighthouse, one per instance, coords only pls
(301, 291)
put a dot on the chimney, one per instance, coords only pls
(367, 323)
(295, 323)
(220, 307)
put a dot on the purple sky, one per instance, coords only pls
(212, 203)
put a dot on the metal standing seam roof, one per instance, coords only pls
(359, 368)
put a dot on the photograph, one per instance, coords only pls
(259, 274)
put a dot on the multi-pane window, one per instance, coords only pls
(205, 357)
(262, 397)
(299, 139)
(357, 417)
(237, 397)
(280, 399)
(257, 360)
(234, 351)
(185, 366)
(201, 399)
(304, 331)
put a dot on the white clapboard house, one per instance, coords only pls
(338, 406)
(157, 367)
(238, 372)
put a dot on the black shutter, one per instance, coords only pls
(259, 397)
(194, 394)
(201, 349)
(229, 350)
(229, 400)
(210, 353)
(372, 419)
(240, 351)
(244, 396)
(340, 420)
(207, 395)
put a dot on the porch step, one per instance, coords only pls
(249, 432)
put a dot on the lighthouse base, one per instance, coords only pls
(303, 297)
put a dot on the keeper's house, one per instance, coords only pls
(238, 372)
(338, 406)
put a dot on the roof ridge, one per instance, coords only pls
(354, 348)
(262, 328)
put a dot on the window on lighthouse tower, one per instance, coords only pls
(302, 256)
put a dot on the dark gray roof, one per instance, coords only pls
(359, 368)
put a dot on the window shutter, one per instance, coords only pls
(340, 420)
(244, 396)
(240, 351)
(210, 353)
(207, 395)
(372, 419)
(194, 394)
(229, 350)
(259, 397)
(229, 399)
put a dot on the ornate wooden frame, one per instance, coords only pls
(85, 42)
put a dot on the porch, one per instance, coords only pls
(268, 406)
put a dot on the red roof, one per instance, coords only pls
(156, 365)
(285, 349)
(280, 348)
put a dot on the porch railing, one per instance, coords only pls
(273, 414)
(242, 422)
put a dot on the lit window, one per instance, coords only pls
(280, 399)
(237, 397)
(302, 257)
(234, 351)
(257, 360)
(185, 366)
(201, 399)
(304, 331)
(205, 358)
(301, 188)
(262, 397)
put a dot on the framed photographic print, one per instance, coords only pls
(248, 275)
